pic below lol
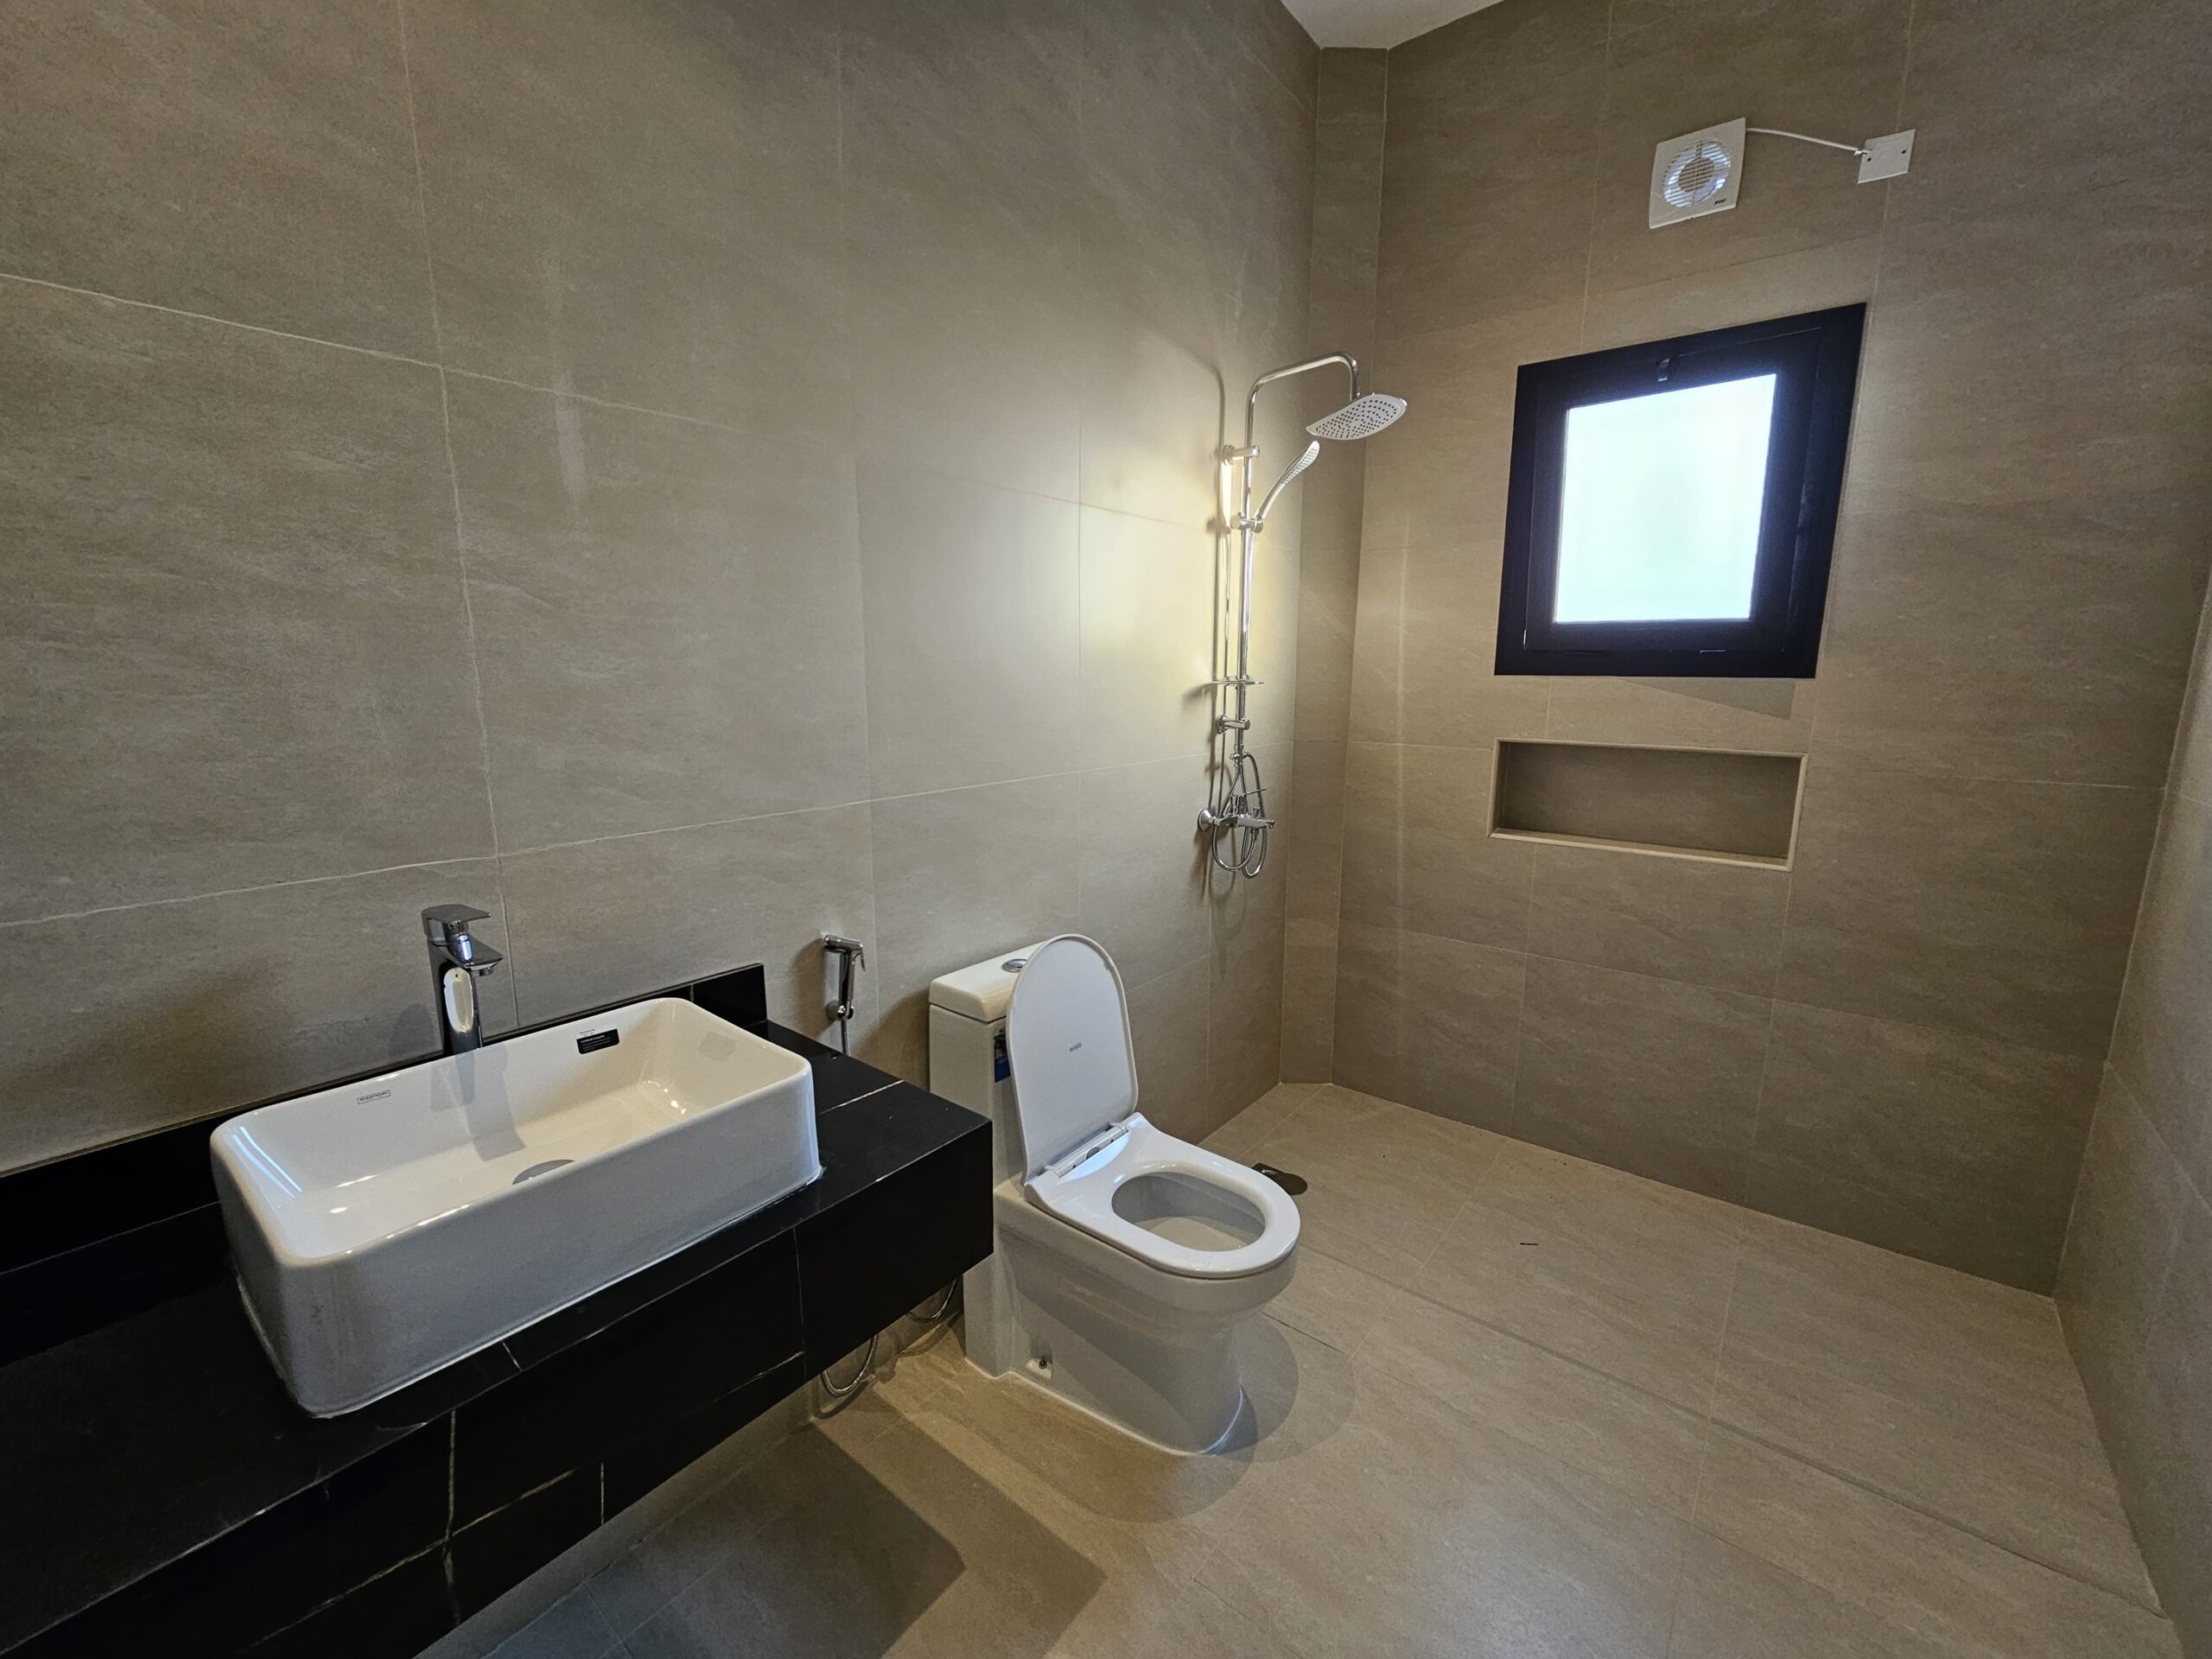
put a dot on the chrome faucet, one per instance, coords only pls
(458, 960)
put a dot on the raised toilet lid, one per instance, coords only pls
(1067, 1042)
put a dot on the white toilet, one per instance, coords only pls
(1126, 1258)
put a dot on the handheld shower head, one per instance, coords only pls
(1313, 453)
(1362, 418)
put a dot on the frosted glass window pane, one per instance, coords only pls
(1659, 504)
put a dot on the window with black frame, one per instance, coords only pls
(1672, 507)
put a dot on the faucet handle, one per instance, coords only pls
(442, 923)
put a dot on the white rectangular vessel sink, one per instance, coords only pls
(391, 1226)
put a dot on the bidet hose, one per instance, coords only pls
(936, 1316)
(842, 1394)
(839, 1393)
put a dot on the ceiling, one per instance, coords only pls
(1377, 23)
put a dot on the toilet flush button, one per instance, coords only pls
(1014, 964)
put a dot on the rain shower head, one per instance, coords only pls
(1313, 453)
(1362, 418)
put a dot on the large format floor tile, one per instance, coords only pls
(1511, 1404)
(1397, 1526)
(1949, 1393)
(1607, 1269)
(1959, 1592)
(1647, 1445)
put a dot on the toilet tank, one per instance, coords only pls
(967, 1063)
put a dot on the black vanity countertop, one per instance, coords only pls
(157, 1424)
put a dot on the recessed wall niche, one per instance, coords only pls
(1725, 804)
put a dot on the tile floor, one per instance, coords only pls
(1514, 1404)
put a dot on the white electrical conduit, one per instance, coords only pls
(1860, 150)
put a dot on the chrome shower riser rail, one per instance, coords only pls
(1236, 819)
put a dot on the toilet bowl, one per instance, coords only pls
(1126, 1259)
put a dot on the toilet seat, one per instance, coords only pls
(1080, 1191)
(1083, 1141)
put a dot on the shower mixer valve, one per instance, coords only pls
(1209, 819)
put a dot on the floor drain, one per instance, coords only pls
(545, 1168)
(1291, 1184)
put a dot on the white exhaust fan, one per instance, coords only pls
(1700, 172)
(1696, 173)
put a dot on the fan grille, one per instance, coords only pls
(1697, 174)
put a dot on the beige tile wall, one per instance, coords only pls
(1899, 1038)
(681, 478)
(2135, 1286)
(1347, 222)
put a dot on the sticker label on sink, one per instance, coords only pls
(597, 1040)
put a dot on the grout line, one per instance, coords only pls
(1704, 1474)
(233, 892)
(2169, 1254)
(1720, 1343)
(764, 434)
(1758, 1095)
(421, 191)
(503, 854)
(1913, 1506)
(1681, 1567)
(207, 316)
(1436, 1246)
(468, 617)
(2161, 833)
(1493, 1425)
(1521, 1023)
(1590, 157)
(2182, 1165)
(1310, 100)
(1729, 991)
(507, 932)
(1904, 69)
(1882, 237)
(1526, 1341)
